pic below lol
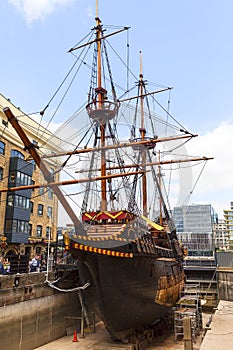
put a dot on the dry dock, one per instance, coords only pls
(219, 335)
(101, 341)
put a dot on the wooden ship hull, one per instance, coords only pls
(129, 295)
(132, 285)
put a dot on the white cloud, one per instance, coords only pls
(215, 185)
(34, 10)
(90, 12)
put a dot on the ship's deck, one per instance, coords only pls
(98, 231)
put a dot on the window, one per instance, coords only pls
(16, 226)
(40, 209)
(15, 153)
(35, 143)
(2, 147)
(30, 229)
(38, 231)
(8, 225)
(20, 178)
(49, 211)
(38, 250)
(12, 177)
(31, 205)
(5, 123)
(41, 191)
(1, 173)
(48, 232)
(10, 200)
(18, 201)
(51, 170)
(33, 163)
(50, 193)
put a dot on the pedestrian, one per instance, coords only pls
(2, 270)
(33, 264)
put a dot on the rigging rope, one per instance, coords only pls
(169, 114)
(194, 186)
(77, 59)
(168, 108)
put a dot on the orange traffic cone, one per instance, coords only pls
(75, 339)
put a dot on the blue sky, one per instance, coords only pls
(185, 44)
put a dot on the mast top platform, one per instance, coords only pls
(103, 113)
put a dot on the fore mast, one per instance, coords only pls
(143, 134)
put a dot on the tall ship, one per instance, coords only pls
(124, 239)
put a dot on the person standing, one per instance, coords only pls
(33, 264)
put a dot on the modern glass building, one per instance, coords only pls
(194, 224)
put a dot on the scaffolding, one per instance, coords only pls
(189, 305)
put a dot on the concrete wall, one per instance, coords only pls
(22, 287)
(33, 314)
(30, 324)
(225, 283)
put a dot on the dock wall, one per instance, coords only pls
(225, 283)
(32, 314)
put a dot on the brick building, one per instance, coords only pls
(28, 218)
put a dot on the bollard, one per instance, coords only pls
(188, 344)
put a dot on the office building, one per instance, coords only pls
(228, 218)
(194, 224)
(221, 237)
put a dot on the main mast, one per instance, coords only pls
(100, 96)
(101, 109)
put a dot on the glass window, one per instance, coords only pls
(38, 231)
(34, 164)
(16, 200)
(30, 229)
(20, 201)
(22, 178)
(38, 250)
(18, 176)
(49, 211)
(27, 203)
(41, 191)
(51, 172)
(48, 232)
(31, 206)
(35, 143)
(50, 193)
(2, 147)
(40, 209)
(22, 226)
(15, 153)
(12, 178)
(15, 226)
(10, 200)
(1, 173)
(8, 225)
(5, 123)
